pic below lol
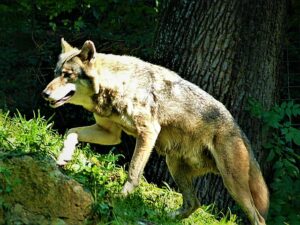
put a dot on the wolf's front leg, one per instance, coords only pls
(68, 149)
(145, 142)
(96, 134)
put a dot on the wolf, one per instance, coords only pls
(194, 131)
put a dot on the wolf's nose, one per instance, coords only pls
(45, 95)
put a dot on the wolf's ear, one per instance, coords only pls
(88, 51)
(65, 46)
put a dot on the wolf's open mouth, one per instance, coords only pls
(61, 101)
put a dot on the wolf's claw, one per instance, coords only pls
(63, 159)
(184, 212)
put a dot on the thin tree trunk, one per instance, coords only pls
(229, 48)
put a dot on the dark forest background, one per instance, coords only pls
(30, 33)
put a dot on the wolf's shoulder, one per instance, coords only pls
(121, 59)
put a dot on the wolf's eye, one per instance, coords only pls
(66, 75)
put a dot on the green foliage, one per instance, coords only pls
(23, 136)
(97, 172)
(283, 153)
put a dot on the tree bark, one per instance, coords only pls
(230, 49)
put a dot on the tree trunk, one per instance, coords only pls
(230, 49)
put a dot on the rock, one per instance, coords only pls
(41, 194)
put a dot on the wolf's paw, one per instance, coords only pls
(63, 159)
(61, 162)
(182, 212)
(128, 188)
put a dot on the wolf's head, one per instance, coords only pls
(72, 82)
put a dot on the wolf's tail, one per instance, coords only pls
(257, 184)
(258, 188)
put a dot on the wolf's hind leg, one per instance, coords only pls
(183, 175)
(233, 162)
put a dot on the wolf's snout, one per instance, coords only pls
(45, 95)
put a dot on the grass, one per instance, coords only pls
(148, 205)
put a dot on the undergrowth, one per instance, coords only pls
(100, 174)
(282, 148)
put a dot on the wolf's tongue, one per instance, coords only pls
(69, 95)
(60, 100)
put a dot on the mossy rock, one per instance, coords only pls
(36, 192)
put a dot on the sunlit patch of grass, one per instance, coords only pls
(21, 136)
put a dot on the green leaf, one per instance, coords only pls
(296, 109)
(296, 136)
(283, 105)
(273, 118)
(288, 111)
(278, 165)
(271, 156)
